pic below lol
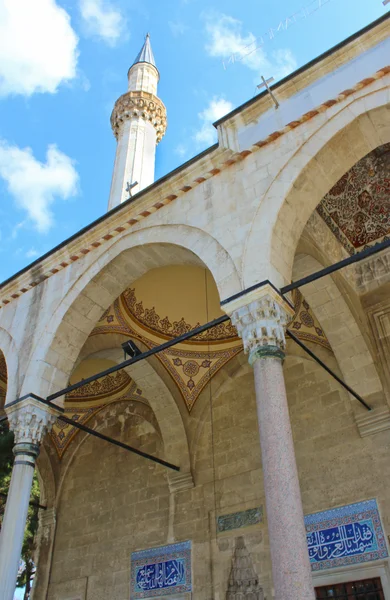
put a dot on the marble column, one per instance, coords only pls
(29, 418)
(260, 317)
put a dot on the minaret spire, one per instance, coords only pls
(138, 122)
(146, 53)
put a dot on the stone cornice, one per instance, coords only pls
(150, 200)
(374, 422)
(139, 104)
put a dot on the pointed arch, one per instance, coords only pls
(349, 134)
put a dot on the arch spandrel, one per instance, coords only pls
(161, 401)
(350, 134)
(56, 351)
(343, 331)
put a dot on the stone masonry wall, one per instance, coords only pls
(113, 503)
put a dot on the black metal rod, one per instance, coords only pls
(337, 266)
(31, 503)
(111, 441)
(327, 369)
(132, 361)
(101, 436)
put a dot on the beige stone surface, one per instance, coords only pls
(243, 210)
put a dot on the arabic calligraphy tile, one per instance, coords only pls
(236, 520)
(161, 571)
(346, 535)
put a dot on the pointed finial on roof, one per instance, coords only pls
(146, 53)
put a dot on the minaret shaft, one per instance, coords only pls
(134, 159)
(138, 122)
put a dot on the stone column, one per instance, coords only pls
(29, 418)
(260, 317)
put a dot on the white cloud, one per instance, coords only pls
(227, 41)
(284, 64)
(35, 185)
(38, 47)
(181, 150)
(32, 253)
(102, 20)
(177, 28)
(217, 108)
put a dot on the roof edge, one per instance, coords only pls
(304, 68)
(114, 210)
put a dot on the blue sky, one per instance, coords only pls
(63, 63)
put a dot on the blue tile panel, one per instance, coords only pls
(240, 519)
(345, 536)
(161, 571)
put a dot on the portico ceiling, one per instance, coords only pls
(357, 208)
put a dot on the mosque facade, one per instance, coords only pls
(251, 419)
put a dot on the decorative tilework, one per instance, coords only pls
(345, 536)
(240, 519)
(63, 433)
(305, 324)
(3, 369)
(356, 209)
(161, 571)
(3, 379)
(190, 369)
(101, 388)
(149, 319)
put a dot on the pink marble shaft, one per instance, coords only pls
(289, 554)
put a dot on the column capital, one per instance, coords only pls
(260, 317)
(30, 418)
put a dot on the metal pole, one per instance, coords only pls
(324, 366)
(31, 503)
(132, 361)
(337, 266)
(101, 436)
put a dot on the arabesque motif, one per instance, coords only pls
(357, 208)
(149, 319)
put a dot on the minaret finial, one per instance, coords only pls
(145, 55)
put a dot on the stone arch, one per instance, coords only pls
(98, 423)
(162, 403)
(342, 329)
(348, 135)
(56, 351)
(108, 517)
(10, 353)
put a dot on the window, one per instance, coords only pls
(367, 589)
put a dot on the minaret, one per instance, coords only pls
(138, 122)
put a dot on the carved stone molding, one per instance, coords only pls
(139, 104)
(372, 272)
(243, 581)
(48, 520)
(373, 422)
(30, 419)
(180, 482)
(260, 318)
